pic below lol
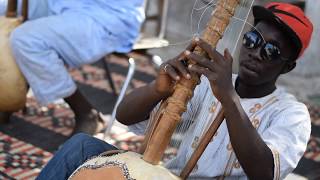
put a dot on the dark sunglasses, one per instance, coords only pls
(269, 51)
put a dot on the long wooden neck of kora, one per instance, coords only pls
(177, 103)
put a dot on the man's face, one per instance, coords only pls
(256, 70)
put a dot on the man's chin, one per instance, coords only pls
(248, 79)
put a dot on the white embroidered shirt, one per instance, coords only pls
(282, 122)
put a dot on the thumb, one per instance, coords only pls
(227, 55)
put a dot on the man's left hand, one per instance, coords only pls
(218, 69)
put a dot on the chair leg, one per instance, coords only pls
(126, 83)
(108, 76)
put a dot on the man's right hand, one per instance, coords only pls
(138, 104)
(171, 71)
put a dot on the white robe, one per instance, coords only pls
(282, 122)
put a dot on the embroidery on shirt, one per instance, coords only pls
(195, 142)
(276, 157)
(236, 165)
(256, 123)
(213, 108)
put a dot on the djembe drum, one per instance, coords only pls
(13, 86)
(129, 165)
(121, 165)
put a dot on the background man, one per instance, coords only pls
(72, 33)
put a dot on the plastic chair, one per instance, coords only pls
(142, 45)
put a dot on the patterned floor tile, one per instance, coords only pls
(20, 160)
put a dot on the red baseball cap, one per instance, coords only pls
(291, 19)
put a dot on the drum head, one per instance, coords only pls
(121, 166)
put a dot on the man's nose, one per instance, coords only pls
(255, 54)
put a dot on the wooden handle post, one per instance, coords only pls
(205, 140)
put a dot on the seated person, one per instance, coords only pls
(71, 33)
(265, 131)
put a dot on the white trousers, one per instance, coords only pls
(44, 46)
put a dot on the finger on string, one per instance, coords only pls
(199, 69)
(227, 55)
(212, 52)
(182, 69)
(190, 47)
(172, 72)
(204, 62)
(182, 58)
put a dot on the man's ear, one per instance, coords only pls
(288, 67)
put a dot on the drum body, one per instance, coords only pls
(121, 166)
(13, 86)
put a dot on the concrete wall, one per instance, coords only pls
(309, 63)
